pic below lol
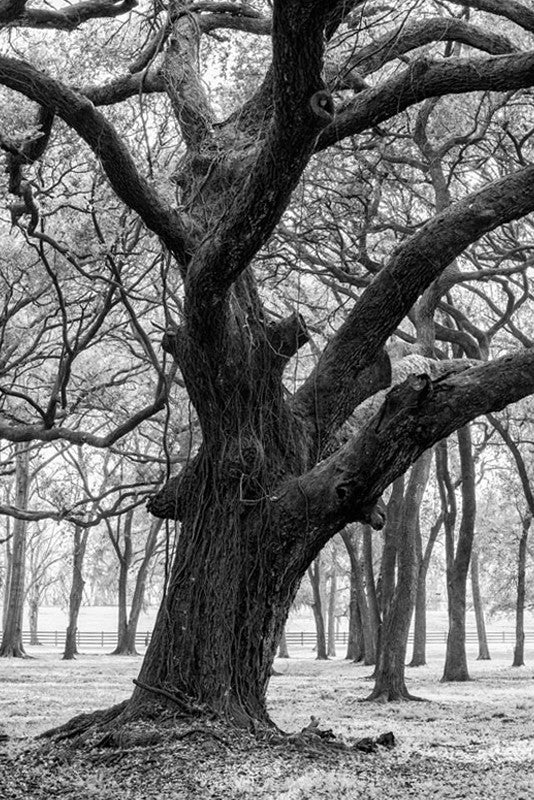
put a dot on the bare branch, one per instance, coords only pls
(80, 114)
(409, 37)
(415, 264)
(425, 79)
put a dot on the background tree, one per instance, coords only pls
(11, 645)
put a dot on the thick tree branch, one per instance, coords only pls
(415, 264)
(186, 91)
(42, 433)
(80, 114)
(302, 108)
(409, 37)
(120, 89)
(423, 79)
(415, 415)
(15, 13)
(510, 9)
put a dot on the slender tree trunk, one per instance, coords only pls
(128, 644)
(332, 599)
(527, 519)
(519, 649)
(419, 623)
(33, 617)
(419, 627)
(76, 592)
(455, 668)
(390, 673)
(283, 651)
(350, 538)
(9, 562)
(483, 649)
(355, 644)
(315, 576)
(370, 583)
(12, 634)
(124, 643)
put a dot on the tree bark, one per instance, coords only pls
(11, 645)
(519, 648)
(455, 668)
(33, 616)
(483, 649)
(76, 592)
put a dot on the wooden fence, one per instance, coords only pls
(108, 639)
(304, 638)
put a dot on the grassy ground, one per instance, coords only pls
(468, 740)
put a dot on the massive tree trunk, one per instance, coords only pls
(226, 640)
(458, 560)
(12, 634)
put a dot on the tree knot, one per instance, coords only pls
(322, 105)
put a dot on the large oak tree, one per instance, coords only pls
(271, 483)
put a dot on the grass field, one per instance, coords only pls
(467, 740)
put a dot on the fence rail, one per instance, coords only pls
(108, 639)
(303, 638)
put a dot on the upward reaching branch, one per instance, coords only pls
(302, 109)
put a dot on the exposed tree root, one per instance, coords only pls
(185, 706)
(79, 725)
(123, 732)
